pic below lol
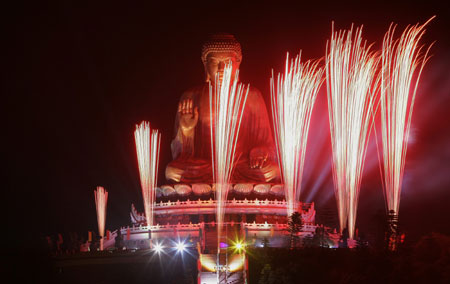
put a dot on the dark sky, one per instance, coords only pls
(79, 76)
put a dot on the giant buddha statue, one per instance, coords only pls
(191, 146)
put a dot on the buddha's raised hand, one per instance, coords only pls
(188, 115)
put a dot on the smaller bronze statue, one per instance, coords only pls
(191, 147)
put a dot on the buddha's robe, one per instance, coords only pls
(192, 155)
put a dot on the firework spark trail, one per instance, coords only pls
(351, 87)
(147, 149)
(402, 65)
(292, 104)
(101, 200)
(227, 101)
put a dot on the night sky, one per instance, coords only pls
(78, 77)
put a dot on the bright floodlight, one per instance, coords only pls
(238, 246)
(181, 247)
(158, 248)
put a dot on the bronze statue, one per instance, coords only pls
(191, 147)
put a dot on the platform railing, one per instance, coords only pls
(212, 202)
(194, 227)
(190, 226)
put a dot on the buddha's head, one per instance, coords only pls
(219, 50)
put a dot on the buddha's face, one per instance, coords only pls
(215, 64)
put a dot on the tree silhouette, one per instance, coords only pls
(295, 225)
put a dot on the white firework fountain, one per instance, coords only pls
(101, 200)
(293, 97)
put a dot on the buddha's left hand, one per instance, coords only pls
(258, 157)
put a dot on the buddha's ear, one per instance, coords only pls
(207, 77)
(238, 61)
